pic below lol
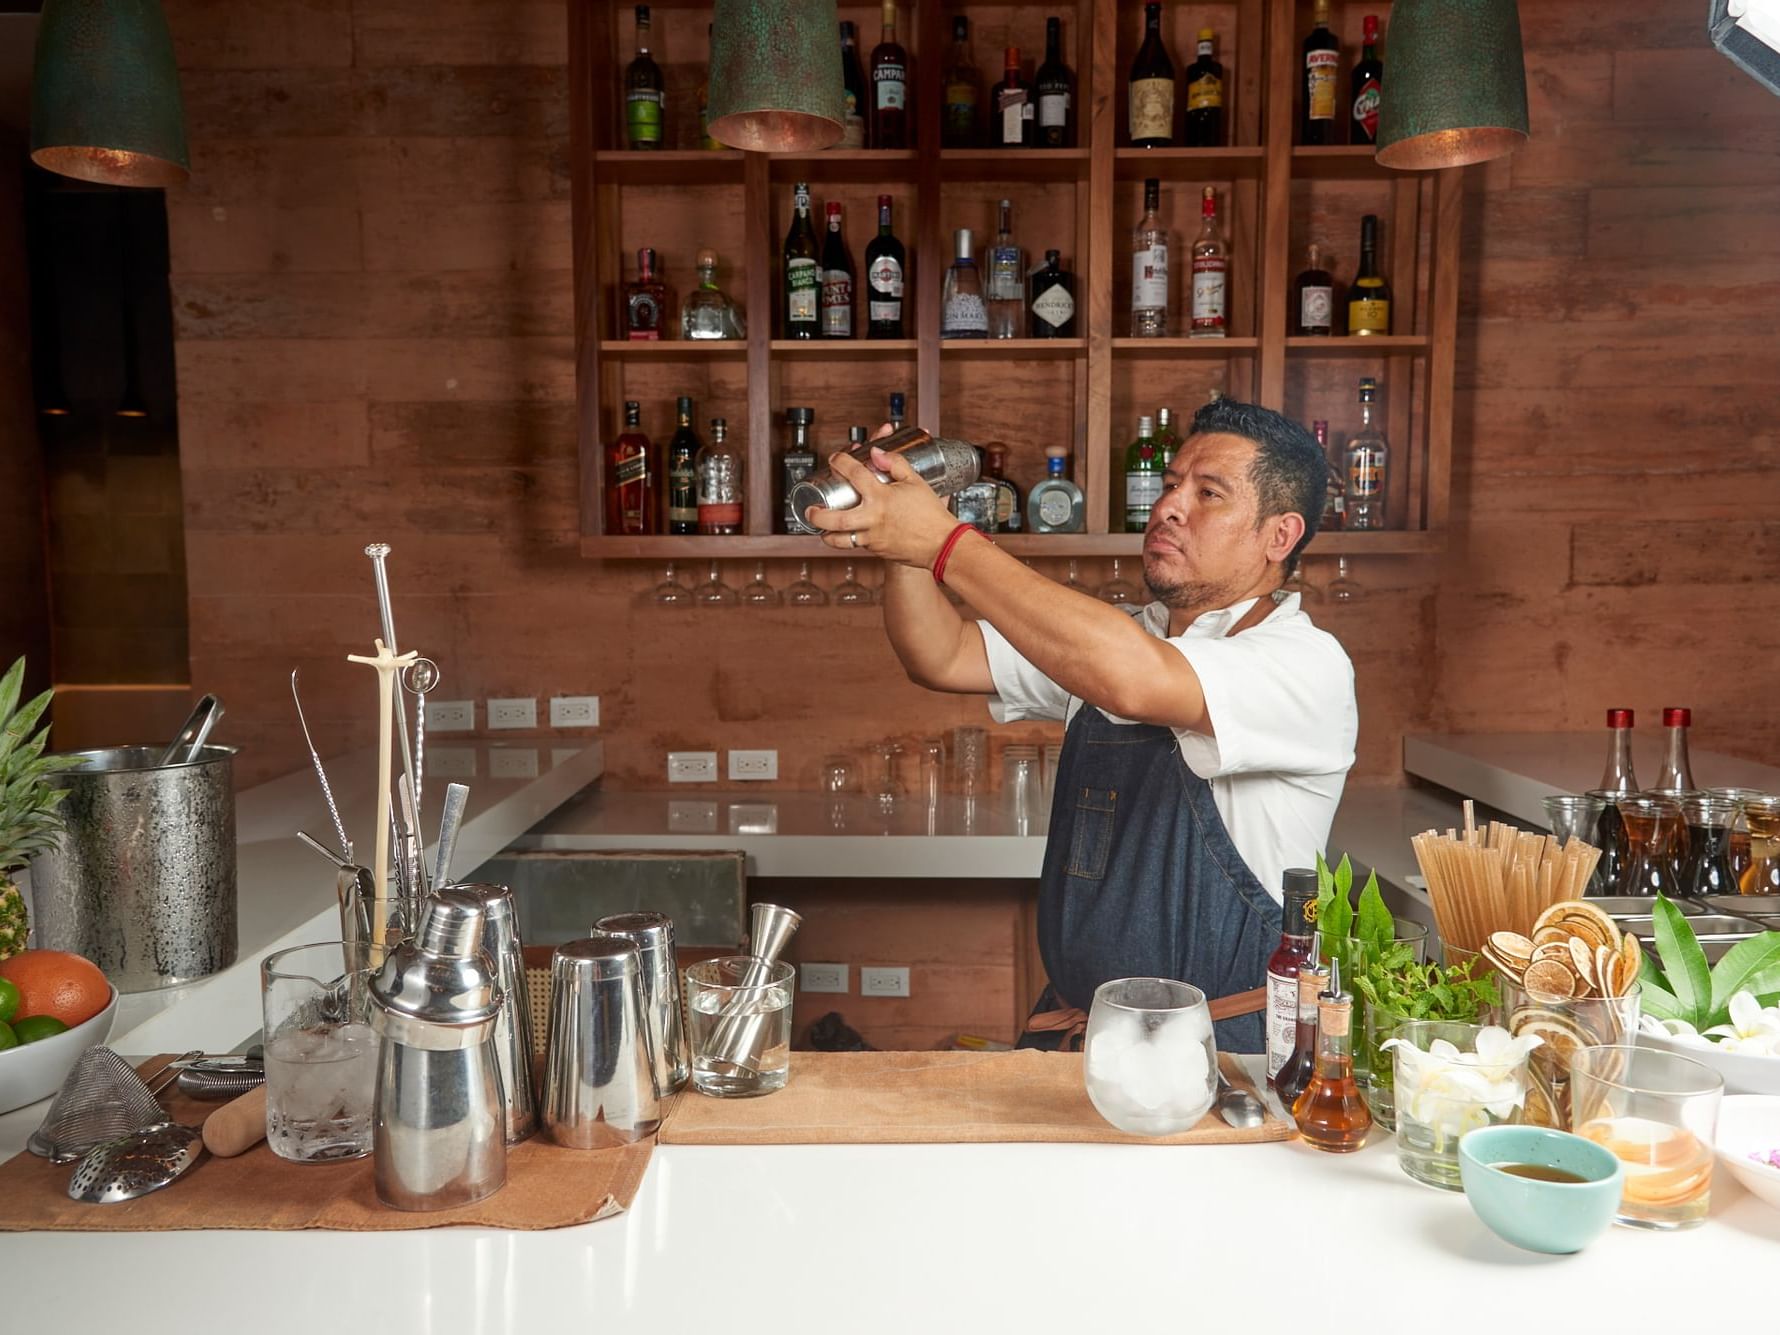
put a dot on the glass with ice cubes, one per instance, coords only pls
(321, 1054)
(1150, 1063)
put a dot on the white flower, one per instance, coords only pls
(1454, 1091)
(1679, 1030)
(1754, 1029)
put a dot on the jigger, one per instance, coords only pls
(735, 1048)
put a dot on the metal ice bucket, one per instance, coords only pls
(143, 880)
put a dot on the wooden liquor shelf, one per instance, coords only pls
(1085, 392)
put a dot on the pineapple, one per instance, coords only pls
(28, 820)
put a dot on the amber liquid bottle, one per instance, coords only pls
(1331, 1112)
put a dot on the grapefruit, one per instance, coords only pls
(57, 983)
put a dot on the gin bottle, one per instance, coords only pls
(962, 312)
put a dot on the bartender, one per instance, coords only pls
(1208, 733)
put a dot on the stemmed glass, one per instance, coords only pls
(757, 592)
(1117, 590)
(850, 592)
(806, 592)
(1343, 589)
(714, 592)
(890, 788)
(1074, 581)
(670, 592)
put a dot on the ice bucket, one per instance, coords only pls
(143, 880)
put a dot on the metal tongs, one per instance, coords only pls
(193, 733)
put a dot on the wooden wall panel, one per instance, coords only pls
(25, 612)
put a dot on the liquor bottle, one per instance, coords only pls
(1295, 1072)
(798, 463)
(1676, 772)
(803, 274)
(898, 410)
(1619, 776)
(1211, 273)
(1290, 956)
(1203, 125)
(1368, 86)
(682, 473)
(853, 99)
(885, 262)
(837, 279)
(1167, 439)
(1005, 288)
(705, 141)
(719, 469)
(857, 435)
(1010, 105)
(1367, 456)
(1143, 477)
(1313, 298)
(706, 312)
(645, 300)
(1149, 268)
(1322, 61)
(1331, 1113)
(644, 100)
(1053, 300)
(1151, 92)
(1055, 505)
(890, 80)
(1335, 492)
(1008, 517)
(974, 503)
(630, 481)
(1369, 299)
(960, 116)
(1054, 88)
(962, 313)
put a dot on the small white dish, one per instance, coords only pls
(34, 1071)
(1743, 1073)
(1750, 1124)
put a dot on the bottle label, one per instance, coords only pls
(1366, 107)
(852, 123)
(1004, 274)
(975, 505)
(965, 314)
(1054, 508)
(682, 494)
(1010, 112)
(961, 110)
(644, 315)
(1054, 306)
(1320, 70)
(642, 114)
(1149, 277)
(633, 468)
(720, 515)
(837, 303)
(1365, 476)
(1282, 1020)
(892, 85)
(803, 283)
(1142, 491)
(1053, 110)
(1205, 48)
(1204, 92)
(885, 276)
(1316, 308)
(1209, 275)
(1152, 108)
(1368, 315)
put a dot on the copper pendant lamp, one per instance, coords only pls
(776, 84)
(1455, 84)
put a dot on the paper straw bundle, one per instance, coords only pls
(1498, 881)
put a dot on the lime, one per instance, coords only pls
(9, 1000)
(33, 1027)
(8, 1039)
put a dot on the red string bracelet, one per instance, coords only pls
(945, 551)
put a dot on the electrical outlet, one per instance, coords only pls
(519, 712)
(451, 762)
(753, 765)
(513, 762)
(451, 715)
(574, 711)
(692, 767)
(691, 817)
(823, 977)
(884, 982)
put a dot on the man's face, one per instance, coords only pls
(1203, 547)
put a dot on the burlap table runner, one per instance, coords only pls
(547, 1187)
(910, 1098)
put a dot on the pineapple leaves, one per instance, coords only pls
(10, 685)
(29, 822)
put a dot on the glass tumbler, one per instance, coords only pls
(1760, 819)
(738, 1017)
(1739, 832)
(1021, 787)
(1564, 1029)
(1708, 870)
(1446, 1087)
(1653, 831)
(321, 1053)
(1149, 1060)
(1658, 1114)
(1576, 817)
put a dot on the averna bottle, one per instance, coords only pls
(803, 274)
(1316, 93)
(644, 99)
(1151, 90)
(1054, 87)
(884, 265)
(963, 313)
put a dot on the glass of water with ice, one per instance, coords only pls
(1149, 1059)
(738, 1014)
(321, 1054)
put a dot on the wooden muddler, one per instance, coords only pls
(387, 665)
(238, 1125)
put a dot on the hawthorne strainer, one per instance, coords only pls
(102, 1099)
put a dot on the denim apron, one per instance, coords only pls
(1141, 879)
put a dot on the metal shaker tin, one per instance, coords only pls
(945, 465)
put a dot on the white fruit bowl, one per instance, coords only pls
(34, 1071)
(1750, 1124)
(1743, 1073)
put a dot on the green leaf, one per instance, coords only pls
(1376, 926)
(10, 686)
(1752, 965)
(1344, 877)
(1658, 1001)
(1684, 962)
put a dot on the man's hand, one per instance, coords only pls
(901, 520)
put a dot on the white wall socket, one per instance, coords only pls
(513, 762)
(753, 765)
(574, 711)
(514, 713)
(884, 982)
(823, 977)
(451, 715)
(451, 762)
(692, 767)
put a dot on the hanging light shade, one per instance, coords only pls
(1455, 85)
(105, 94)
(776, 84)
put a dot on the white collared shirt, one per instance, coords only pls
(1280, 696)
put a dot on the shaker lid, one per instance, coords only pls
(442, 980)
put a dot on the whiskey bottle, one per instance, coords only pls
(962, 111)
(1369, 299)
(890, 81)
(645, 300)
(1313, 298)
(1368, 87)
(803, 274)
(630, 480)
(798, 463)
(837, 279)
(1149, 268)
(1151, 90)
(644, 100)
(719, 469)
(1053, 300)
(1006, 286)
(1203, 125)
(1011, 105)
(707, 313)
(1055, 505)
(1368, 457)
(1335, 491)
(1143, 477)
(1053, 87)
(682, 473)
(962, 312)
(853, 81)
(1211, 272)
(885, 262)
(1321, 72)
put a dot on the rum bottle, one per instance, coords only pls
(1331, 1112)
(630, 480)
(644, 99)
(962, 311)
(719, 469)
(682, 473)
(798, 463)
(1289, 957)
(1321, 72)
(1005, 290)
(1011, 105)
(803, 272)
(1052, 308)
(837, 279)
(1368, 86)
(1368, 456)
(959, 122)
(645, 300)
(890, 82)
(1203, 125)
(1369, 299)
(885, 262)
(1313, 298)
(854, 102)
(1211, 273)
(1143, 476)
(1300, 1064)
(1151, 88)
(1053, 86)
(1149, 268)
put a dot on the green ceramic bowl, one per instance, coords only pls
(1555, 1217)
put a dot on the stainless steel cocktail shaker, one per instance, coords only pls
(513, 1031)
(654, 935)
(945, 465)
(599, 1080)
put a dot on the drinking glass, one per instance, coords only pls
(1658, 1114)
(1574, 817)
(890, 789)
(1760, 819)
(1440, 1097)
(806, 592)
(670, 592)
(1652, 832)
(738, 1018)
(1708, 870)
(933, 771)
(1611, 840)
(1118, 590)
(1739, 832)
(850, 592)
(1148, 1058)
(1020, 785)
(321, 1053)
(757, 592)
(970, 756)
(1565, 1028)
(837, 774)
(1343, 588)
(1074, 578)
(714, 592)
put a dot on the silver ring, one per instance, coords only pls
(853, 538)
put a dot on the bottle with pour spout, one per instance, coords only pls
(1331, 1112)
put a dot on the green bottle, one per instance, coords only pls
(1167, 439)
(1143, 476)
